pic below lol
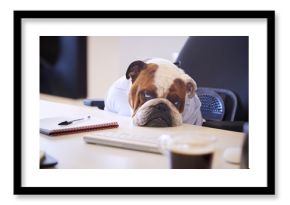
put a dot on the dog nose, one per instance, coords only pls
(162, 107)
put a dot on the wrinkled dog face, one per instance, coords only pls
(158, 92)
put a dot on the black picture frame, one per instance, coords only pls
(19, 189)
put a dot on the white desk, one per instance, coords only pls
(72, 152)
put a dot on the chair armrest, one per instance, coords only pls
(236, 126)
(95, 103)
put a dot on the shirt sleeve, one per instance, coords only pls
(117, 100)
(192, 114)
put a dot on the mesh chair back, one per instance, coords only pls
(217, 104)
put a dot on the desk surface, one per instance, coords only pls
(72, 152)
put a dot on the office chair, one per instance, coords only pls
(217, 104)
(219, 62)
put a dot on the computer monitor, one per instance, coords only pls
(63, 66)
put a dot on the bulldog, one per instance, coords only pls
(155, 93)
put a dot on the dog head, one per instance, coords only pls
(158, 92)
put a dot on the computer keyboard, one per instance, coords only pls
(126, 141)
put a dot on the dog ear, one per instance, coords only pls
(134, 70)
(191, 87)
(177, 63)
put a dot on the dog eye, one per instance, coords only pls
(175, 101)
(176, 104)
(148, 96)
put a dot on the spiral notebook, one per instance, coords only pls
(50, 126)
